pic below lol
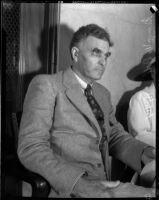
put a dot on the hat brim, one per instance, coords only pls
(146, 76)
(142, 71)
(135, 74)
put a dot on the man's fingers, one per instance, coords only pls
(110, 184)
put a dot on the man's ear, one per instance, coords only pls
(74, 52)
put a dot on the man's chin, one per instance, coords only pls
(98, 77)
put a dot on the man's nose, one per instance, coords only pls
(102, 61)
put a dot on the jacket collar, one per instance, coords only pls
(74, 93)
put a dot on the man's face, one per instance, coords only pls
(92, 58)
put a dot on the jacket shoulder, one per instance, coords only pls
(47, 77)
(102, 88)
(50, 79)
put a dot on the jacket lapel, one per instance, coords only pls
(75, 94)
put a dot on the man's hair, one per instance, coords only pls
(90, 30)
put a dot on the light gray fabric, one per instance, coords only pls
(59, 135)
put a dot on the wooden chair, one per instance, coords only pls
(14, 168)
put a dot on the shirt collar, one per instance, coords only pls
(81, 82)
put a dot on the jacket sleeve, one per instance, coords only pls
(33, 145)
(122, 145)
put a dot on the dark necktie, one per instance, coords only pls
(97, 111)
(99, 115)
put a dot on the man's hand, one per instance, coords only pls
(91, 188)
(148, 155)
(109, 189)
(130, 190)
(110, 184)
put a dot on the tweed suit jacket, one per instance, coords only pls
(59, 136)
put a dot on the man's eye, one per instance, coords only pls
(96, 52)
(108, 54)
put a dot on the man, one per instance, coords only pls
(62, 139)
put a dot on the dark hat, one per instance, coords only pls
(142, 72)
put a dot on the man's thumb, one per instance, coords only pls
(110, 184)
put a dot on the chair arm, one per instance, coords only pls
(40, 187)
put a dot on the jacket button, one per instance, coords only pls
(99, 165)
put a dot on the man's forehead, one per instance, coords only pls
(92, 42)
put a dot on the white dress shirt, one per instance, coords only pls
(82, 82)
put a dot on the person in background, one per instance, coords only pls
(68, 127)
(142, 107)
